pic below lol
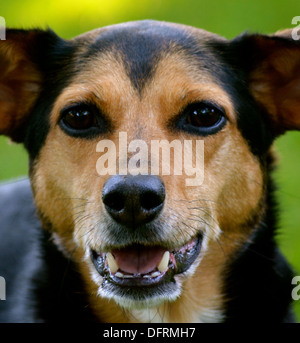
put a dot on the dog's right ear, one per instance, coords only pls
(22, 55)
(271, 65)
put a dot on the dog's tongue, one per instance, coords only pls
(137, 259)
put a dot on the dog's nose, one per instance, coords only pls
(133, 200)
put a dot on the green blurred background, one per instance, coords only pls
(227, 18)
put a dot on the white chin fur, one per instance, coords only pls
(132, 304)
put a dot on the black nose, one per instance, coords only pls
(133, 200)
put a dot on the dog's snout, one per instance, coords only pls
(133, 200)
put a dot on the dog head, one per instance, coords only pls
(102, 100)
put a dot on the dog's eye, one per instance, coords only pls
(83, 121)
(80, 118)
(202, 118)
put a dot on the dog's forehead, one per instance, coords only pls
(140, 45)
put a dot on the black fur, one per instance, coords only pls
(50, 53)
(258, 279)
(41, 284)
(141, 45)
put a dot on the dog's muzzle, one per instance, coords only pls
(138, 270)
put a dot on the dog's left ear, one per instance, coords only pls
(22, 63)
(272, 65)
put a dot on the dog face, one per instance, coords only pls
(149, 241)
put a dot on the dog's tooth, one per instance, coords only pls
(163, 264)
(120, 275)
(128, 276)
(112, 263)
(155, 274)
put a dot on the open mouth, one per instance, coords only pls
(141, 266)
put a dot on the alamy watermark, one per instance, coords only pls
(2, 29)
(296, 30)
(136, 157)
(296, 290)
(2, 288)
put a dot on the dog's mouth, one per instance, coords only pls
(143, 267)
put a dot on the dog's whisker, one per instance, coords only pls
(75, 198)
(198, 200)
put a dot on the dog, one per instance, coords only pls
(77, 246)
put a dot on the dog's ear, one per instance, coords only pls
(272, 65)
(22, 55)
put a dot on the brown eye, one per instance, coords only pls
(79, 118)
(83, 121)
(203, 116)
